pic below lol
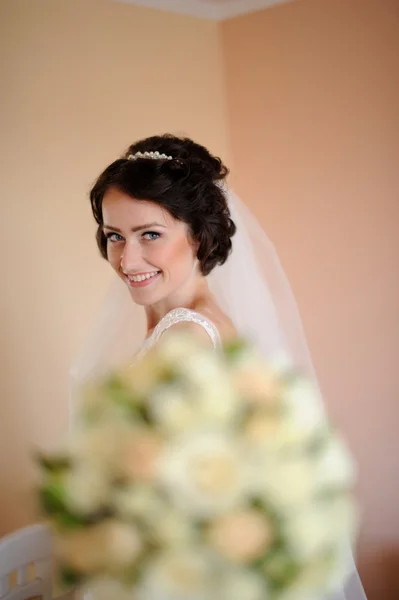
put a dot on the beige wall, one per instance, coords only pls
(313, 102)
(84, 79)
(312, 90)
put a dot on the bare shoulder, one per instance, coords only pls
(220, 320)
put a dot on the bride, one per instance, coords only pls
(188, 255)
(163, 225)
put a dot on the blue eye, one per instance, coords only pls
(151, 235)
(114, 237)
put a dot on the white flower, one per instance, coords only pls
(173, 530)
(173, 350)
(307, 533)
(106, 546)
(266, 433)
(87, 489)
(106, 588)
(321, 576)
(173, 410)
(218, 402)
(307, 586)
(339, 566)
(305, 407)
(204, 473)
(138, 502)
(202, 368)
(204, 378)
(184, 575)
(311, 531)
(209, 388)
(243, 584)
(287, 484)
(334, 465)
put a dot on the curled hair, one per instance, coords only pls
(188, 186)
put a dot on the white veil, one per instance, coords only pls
(252, 289)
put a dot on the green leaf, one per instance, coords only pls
(52, 464)
(67, 520)
(70, 577)
(280, 568)
(52, 498)
(121, 395)
(52, 501)
(170, 375)
(234, 348)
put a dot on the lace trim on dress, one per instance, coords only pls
(181, 315)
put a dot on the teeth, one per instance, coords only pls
(138, 278)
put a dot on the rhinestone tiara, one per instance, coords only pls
(149, 155)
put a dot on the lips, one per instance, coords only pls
(142, 276)
(142, 279)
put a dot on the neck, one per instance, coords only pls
(188, 296)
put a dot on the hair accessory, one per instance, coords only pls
(151, 155)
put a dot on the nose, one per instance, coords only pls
(131, 257)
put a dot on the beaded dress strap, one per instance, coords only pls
(181, 315)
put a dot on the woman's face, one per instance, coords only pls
(148, 248)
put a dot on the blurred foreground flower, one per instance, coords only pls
(200, 476)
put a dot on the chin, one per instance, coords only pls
(141, 298)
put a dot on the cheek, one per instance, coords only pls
(179, 256)
(114, 255)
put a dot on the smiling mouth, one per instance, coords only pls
(142, 280)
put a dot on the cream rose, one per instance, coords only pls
(173, 530)
(288, 484)
(173, 410)
(139, 455)
(181, 575)
(258, 384)
(108, 545)
(267, 431)
(137, 501)
(204, 473)
(243, 584)
(107, 588)
(209, 388)
(242, 536)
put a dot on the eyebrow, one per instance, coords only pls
(134, 229)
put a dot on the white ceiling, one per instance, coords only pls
(216, 10)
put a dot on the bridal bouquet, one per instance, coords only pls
(197, 476)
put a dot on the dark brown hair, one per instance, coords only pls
(188, 186)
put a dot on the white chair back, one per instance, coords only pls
(26, 556)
